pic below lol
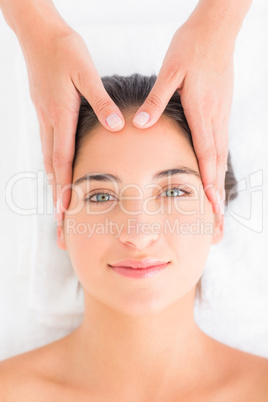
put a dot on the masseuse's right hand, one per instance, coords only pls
(60, 68)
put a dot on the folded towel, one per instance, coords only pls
(236, 270)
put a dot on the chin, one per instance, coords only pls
(140, 306)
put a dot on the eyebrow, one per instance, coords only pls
(107, 177)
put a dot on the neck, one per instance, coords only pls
(138, 352)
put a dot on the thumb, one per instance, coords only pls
(164, 87)
(108, 113)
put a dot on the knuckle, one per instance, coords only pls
(58, 160)
(101, 105)
(155, 101)
(171, 72)
(210, 184)
(222, 157)
(209, 154)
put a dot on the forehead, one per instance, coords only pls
(160, 138)
(131, 149)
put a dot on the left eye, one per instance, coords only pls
(175, 190)
(102, 197)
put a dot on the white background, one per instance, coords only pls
(124, 38)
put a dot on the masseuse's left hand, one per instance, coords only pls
(199, 65)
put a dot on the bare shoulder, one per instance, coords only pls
(30, 375)
(247, 374)
(14, 376)
(17, 375)
(255, 371)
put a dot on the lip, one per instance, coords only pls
(139, 264)
(139, 272)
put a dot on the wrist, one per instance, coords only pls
(221, 19)
(29, 18)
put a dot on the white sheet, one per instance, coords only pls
(39, 294)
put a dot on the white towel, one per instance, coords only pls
(236, 270)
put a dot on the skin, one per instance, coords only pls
(143, 327)
(60, 68)
(198, 64)
(138, 340)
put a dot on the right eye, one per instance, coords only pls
(101, 199)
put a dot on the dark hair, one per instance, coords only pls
(129, 93)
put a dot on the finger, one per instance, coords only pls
(164, 87)
(63, 154)
(203, 141)
(90, 85)
(221, 145)
(46, 134)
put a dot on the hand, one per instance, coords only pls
(60, 68)
(200, 67)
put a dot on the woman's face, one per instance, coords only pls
(140, 216)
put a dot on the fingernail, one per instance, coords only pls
(218, 196)
(113, 120)
(141, 118)
(220, 209)
(220, 205)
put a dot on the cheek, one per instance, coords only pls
(83, 245)
(190, 235)
(193, 214)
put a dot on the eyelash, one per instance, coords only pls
(189, 193)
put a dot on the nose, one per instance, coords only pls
(140, 230)
(138, 235)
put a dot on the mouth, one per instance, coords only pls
(137, 272)
(143, 267)
(139, 263)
